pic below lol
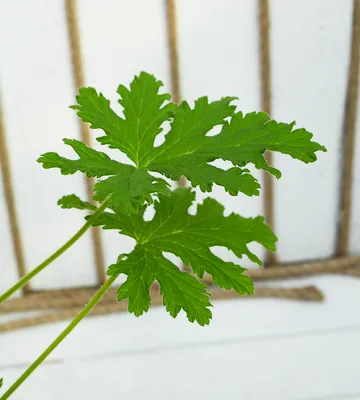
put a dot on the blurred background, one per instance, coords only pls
(296, 59)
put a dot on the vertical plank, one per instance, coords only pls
(36, 81)
(219, 56)
(78, 75)
(310, 53)
(10, 205)
(349, 136)
(130, 37)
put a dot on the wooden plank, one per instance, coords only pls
(238, 326)
(37, 90)
(236, 369)
(78, 78)
(219, 57)
(132, 38)
(310, 53)
(242, 319)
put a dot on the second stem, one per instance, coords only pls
(92, 303)
(25, 279)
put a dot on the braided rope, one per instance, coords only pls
(349, 134)
(68, 298)
(265, 79)
(78, 75)
(345, 265)
(173, 59)
(10, 201)
(173, 50)
(110, 305)
(66, 303)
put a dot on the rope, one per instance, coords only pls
(265, 71)
(68, 298)
(349, 134)
(68, 301)
(174, 67)
(173, 50)
(110, 305)
(173, 58)
(76, 61)
(10, 202)
(346, 266)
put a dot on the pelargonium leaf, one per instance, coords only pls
(144, 113)
(129, 186)
(73, 201)
(188, 149)
(190, 237)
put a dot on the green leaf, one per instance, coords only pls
(190, 237)
(129, 186)
(142, 107)
(245, 138)
(1, 382)
(130, 189)
(188, 150)
(92, 163)
(180, 290)
(72, 201)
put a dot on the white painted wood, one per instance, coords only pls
(8, 269)
(291, 368)
(132, 39)
(37, 89)
(254, 348)
(235, 319)
(212, 62)
(354, 245)
(218, 46)
(310, 55)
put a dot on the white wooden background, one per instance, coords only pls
(254, 349)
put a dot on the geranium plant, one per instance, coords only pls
(123, 191)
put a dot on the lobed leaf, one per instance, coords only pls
(142, 107)
(190, 237)
(188, 150)
(130, 187)
(72, 201)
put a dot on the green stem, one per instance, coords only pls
(57, 253)
(92, 303)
